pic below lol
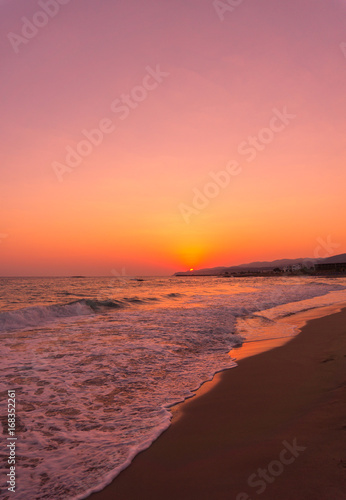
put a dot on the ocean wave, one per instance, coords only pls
(110, 374)
(30, 317)
(34, 316)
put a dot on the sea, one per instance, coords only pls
(97, 363)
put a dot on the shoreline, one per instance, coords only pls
(216, 429)
(255, 347)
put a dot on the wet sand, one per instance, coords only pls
(271, 428)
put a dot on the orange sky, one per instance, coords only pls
(180, 95)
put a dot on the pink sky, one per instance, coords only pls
(121, 207)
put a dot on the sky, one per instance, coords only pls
(144, 138)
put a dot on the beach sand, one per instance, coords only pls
(237, 427)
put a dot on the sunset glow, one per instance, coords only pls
(172, 225)
(194, 141)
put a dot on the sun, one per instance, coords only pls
(191, 269)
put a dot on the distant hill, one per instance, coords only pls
(261, 266)
(276, 263)
(336, 259)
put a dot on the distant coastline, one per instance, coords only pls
(331, 266)
(261, 274)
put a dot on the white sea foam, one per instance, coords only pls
(95, 377)
(38, 315)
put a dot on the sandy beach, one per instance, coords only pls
(271, 428)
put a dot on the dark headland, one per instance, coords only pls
(331, 266)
